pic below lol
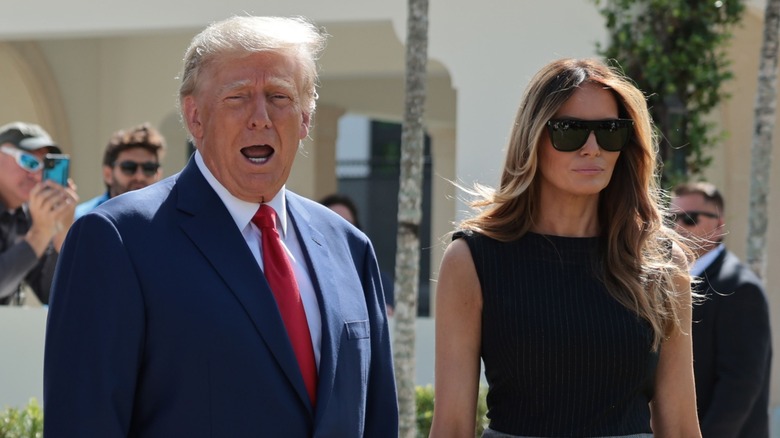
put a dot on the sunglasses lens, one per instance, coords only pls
(29, 162)
(689, 219)
(129, 168)
(150, 168)
(612, 137)
(567, 135)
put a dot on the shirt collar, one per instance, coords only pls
(704, 262)
(242, 211)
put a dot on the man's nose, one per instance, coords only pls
(260, 116)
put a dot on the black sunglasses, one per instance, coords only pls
(690, 218)
(569, 135)
(129, 168)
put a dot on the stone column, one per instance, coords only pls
(314, 170)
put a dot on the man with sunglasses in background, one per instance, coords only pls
(131, 161)
(35, 215)
(731, 332)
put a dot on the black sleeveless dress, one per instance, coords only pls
(562, 357)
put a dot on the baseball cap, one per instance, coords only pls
(27, 136)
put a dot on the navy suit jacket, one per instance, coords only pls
(161, 324)
(732, 351)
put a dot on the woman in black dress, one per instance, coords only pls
(566, 282)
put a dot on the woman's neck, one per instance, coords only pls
(575, 216)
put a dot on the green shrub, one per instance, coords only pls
(28, 422)
(424, 401)
(425, 411)
(25, 423)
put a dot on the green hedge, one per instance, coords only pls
(24, 423)
(425, 411)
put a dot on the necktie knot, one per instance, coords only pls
(265, 217)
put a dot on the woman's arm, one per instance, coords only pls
(458, 335)
(674, 404)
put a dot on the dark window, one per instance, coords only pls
(376, 197)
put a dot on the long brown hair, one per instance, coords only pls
(638, 268)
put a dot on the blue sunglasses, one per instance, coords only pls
(28, 162)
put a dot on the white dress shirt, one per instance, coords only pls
(242, 213)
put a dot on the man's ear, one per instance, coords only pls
(192, 116)
(108, 174)
(305, 125)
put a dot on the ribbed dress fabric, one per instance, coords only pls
(562, 357)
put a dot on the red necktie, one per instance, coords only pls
(279, 273)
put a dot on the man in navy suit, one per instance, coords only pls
(732, 345)
(162, 322)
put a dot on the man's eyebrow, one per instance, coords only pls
(283, 83)
(234, 85)
(275, 82)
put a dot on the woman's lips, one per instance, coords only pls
(589, 170)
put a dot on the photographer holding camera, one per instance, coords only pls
(35, 215)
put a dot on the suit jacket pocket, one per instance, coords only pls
(358, 329)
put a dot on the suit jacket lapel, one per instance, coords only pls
(211, 228)
(321, 271)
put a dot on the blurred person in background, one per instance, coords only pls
(345, 207)
(732, 337)
(131, 161)
(35, 215)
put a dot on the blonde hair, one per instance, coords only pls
(638, 269)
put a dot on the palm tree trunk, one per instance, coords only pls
(407, 264)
